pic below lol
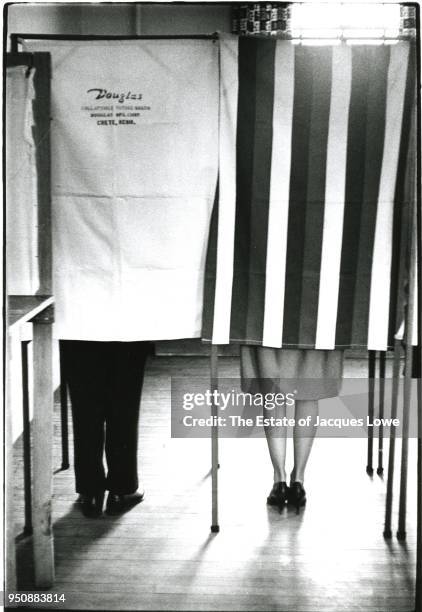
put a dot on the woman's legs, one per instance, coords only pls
(259, 372)
(303, 437)
(277, 442)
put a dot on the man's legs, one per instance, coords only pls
(85, 373)
(126, 373)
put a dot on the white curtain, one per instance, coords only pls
(21, 184)
(134, 171)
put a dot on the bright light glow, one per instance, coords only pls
(318, 33)
(357, 21)
(364, 41)
(318, 42)
(362, 32)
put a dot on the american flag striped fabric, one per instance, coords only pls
(314, 192)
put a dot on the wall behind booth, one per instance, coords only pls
(107, 19)
(186, 19)
(119, 19)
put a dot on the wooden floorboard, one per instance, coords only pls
(161, 555)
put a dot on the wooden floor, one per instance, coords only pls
(161, 555)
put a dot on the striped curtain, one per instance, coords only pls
(307, 238)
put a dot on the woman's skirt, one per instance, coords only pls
(310, 374)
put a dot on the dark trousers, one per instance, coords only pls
(105, 383)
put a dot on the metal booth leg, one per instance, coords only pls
(64, 414)
(392, 447)
(382, 357)
(371, 392)
(215, 528)
(27, 530)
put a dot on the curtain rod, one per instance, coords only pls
(215, 36)
(14, 38)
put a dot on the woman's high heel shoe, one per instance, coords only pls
(297, 495)
(278, 495)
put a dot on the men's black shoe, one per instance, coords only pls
(119, 504)
(91, 505)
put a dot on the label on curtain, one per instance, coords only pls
(134, 170)
(313, 194)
